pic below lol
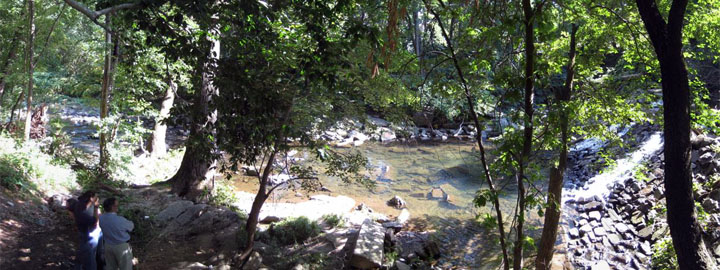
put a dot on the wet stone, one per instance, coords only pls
(595, 215)
(646, 233)
(586, 228)
(646, 249)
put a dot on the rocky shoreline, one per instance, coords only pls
(621, 230)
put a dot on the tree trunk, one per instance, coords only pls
(111, 58)
(667, 42)
(5, 68)
(528, 129)
(478, 135)
(553, 211)
(253, 216)
(157, 142)
(197, 162)
(30, 68)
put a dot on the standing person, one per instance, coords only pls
(118, 253)
(87, 217)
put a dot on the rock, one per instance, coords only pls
(387, 136)
(368, 252)
(586, 228)
(599, 231)
(595, 215)
(637, 218)
(250, 171)
(645, 248)
(646, 233)
(403, 217)
(601, 265)
(621, 227)
(614, 239)
(710, 205)
(396, 226)
(592, 206)
(254, 262)
(56, 202)
(705, 158)
(172, 211)
(402, 266)
(574, 233)
(660, 232)
(270, 219)
(397, 202)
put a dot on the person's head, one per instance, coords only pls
(110, 205)
(86, 197)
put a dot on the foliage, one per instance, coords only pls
(663, 256)
(291, 231)
(334, 220)
(222, 194)
(24, 167)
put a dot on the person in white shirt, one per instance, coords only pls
(116, 232)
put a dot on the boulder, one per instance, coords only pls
(397, 202)
(368, 252)
(172, 211)
(254, 262)
(59, 202)
(402, 266)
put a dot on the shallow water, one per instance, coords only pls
(411, 171)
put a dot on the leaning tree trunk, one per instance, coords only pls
(524, 156)
(198, 160)
(30, 68)
(667, 42)
(157, 142)
(552, 214)
(254, 215)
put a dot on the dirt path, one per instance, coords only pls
(34, 237)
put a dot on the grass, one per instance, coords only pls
(333, 220)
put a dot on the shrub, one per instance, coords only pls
(222, 195)
(663, 256)
(333, 220)
(293, 231)
(24, 167)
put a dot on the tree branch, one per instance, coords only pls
(94, 15)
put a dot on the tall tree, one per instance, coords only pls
(530, 15)
(108, 81)
(666, 38)
(199, 161)
(157, 141)
(30, 64)
(557, 174)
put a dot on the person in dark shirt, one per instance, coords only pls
(86, 216)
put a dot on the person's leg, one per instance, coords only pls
(111, 262)
(125, 257)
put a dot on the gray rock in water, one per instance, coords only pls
(368, 252)
(574, 233)
(172, 211)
